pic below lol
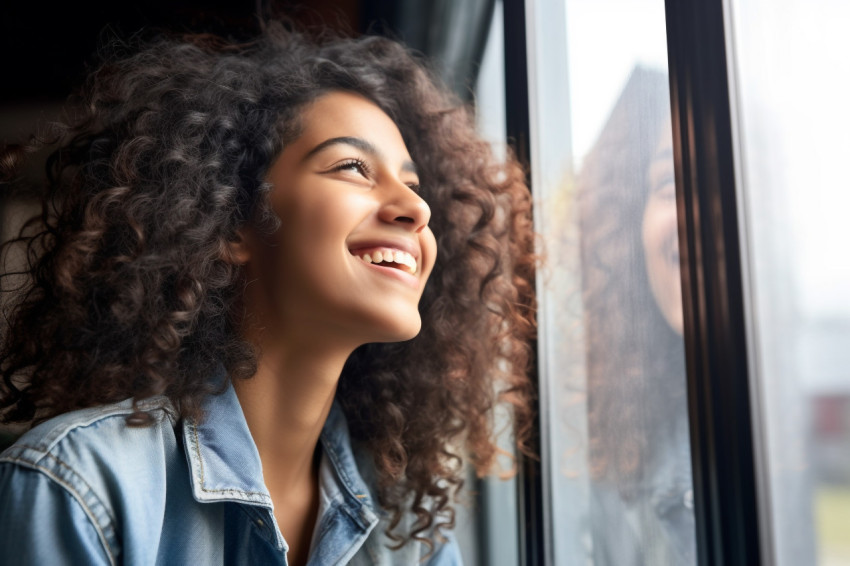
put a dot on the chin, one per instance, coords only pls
(400, 331)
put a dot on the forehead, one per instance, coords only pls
(345, 114)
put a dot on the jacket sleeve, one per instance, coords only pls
(42, 523)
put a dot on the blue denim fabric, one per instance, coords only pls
(83, 488)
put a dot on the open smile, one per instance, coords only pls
(388, 257)
(390, 261)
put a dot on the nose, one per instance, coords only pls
(404, 207)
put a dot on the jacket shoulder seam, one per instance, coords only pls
(54, 436)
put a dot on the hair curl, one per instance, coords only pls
(131, 295)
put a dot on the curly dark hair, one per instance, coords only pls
(635, 360)
(131, 295)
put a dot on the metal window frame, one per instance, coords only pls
(720, 405)
(530, 478)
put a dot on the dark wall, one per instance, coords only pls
(47, 47)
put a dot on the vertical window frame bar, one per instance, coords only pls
(530, 480)
(719, 390)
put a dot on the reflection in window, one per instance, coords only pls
(613, 389)
(641, 509)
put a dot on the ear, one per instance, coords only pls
(238, 250)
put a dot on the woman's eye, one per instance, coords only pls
(356, 165)
(415, 187)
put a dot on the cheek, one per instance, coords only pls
(659, 225)
(315, 225)
(660, 245)
(650, 231)
(301, 254)
(428, 243)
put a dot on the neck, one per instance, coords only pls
(286, 404)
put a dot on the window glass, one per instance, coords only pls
(613, 393)
(792, 84)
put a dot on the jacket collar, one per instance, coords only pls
(223, 458)
(351, 489)
(225, 464)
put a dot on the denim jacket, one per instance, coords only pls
(84, 488)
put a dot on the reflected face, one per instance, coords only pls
(354, 250)
(660, 233)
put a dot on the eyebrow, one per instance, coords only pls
(362, 145)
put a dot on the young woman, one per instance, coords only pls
(275, 292)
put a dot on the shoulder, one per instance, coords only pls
(87, 466)
(87, 440)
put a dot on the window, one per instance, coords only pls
(694, 396)
(612, 370)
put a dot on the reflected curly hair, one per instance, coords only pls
(635, 361)
(130, 293)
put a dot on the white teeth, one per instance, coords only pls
(392, 256)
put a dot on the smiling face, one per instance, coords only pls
(353, 252)
(660, 234)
